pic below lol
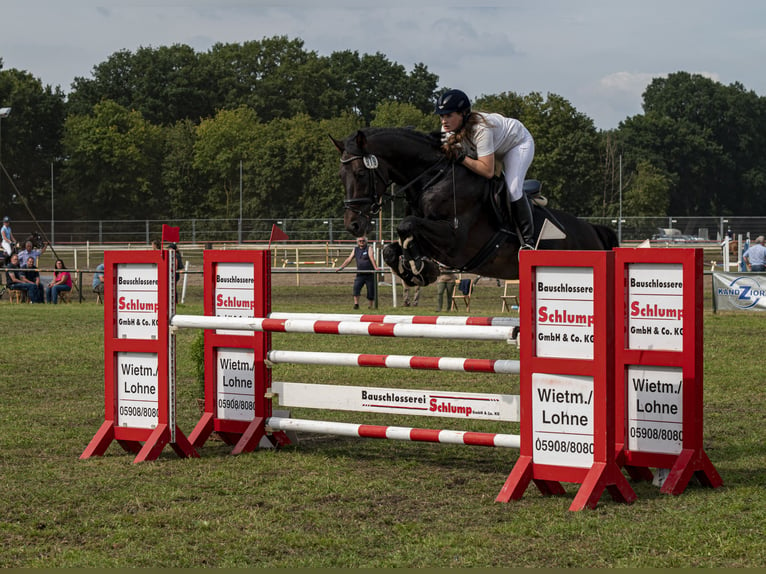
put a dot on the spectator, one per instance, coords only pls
(13, 277)
(98, 281)
(27, 279)
(8, 240)
(444, 284)
(755, 256)
(365, 261)
(31, 274)
(62, 281)
(30, 251)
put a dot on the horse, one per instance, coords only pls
(453, 216)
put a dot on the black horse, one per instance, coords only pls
(452, 213)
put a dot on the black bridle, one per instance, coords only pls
(374, 199)
(373, 202)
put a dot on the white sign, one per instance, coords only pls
(137, 301)
(739, 292)
(562, 420)
(564, 312)
(137, 390)
(234, 296)
(655, 409)
(235, 382)
(655, 306)
(399, 401)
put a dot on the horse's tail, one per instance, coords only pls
(607, 236)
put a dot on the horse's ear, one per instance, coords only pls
(361, 141)
(339, 145)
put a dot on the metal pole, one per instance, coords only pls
(619, 218)
(240, 204)
(53, 232)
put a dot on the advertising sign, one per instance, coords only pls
(234, 296)
(744, 292)
(564, 312)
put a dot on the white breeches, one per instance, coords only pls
(515, 165)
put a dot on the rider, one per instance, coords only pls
(476, 138)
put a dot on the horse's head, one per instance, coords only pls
(365, 179)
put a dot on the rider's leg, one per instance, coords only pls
(521, 212)
(515, 163)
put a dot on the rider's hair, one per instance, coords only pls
(464, 133)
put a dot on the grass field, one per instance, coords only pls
(338, 502)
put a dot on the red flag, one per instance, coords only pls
(277, 234)
(170, 234)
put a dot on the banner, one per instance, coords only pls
(741, 292)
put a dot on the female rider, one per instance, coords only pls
(475, 139)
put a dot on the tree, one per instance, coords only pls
(711, 140)
(113, 165)
(166, 84)
(31, 140)
(222, 143)
(184, 185)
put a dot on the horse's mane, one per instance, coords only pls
(428, 143)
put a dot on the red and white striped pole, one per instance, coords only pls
(394, 433)
(499, 366)
(469, 332)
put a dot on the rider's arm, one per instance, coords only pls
(484, 166)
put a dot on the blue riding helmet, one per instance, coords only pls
(453, 101)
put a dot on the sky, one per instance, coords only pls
(599, 55)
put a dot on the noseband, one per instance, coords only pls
(373, 202)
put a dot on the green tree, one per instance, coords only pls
(114, 164)
(398, 114)
(30, 140)
(709, 138)
(166, 84)
(222, 143)
(184, 185)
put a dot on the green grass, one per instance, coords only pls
(338, 502)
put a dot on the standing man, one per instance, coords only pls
(30, 251)
(8, 240)
(365, 261)
(755, 256)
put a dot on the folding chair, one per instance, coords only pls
(463, 289)
(509, 300)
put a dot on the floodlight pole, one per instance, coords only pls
(4, 113)
(619, 217)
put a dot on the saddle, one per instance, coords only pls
(498, 188)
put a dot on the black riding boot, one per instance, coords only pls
(521, 212)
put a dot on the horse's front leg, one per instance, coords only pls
(411, 259)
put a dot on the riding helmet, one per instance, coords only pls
(453, 101)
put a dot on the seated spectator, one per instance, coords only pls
(17, 280)
(62, 281)
(98, 281)
(31, 274)
(30, 251)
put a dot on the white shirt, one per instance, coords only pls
(498, 134)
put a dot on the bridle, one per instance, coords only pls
(374, 200)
